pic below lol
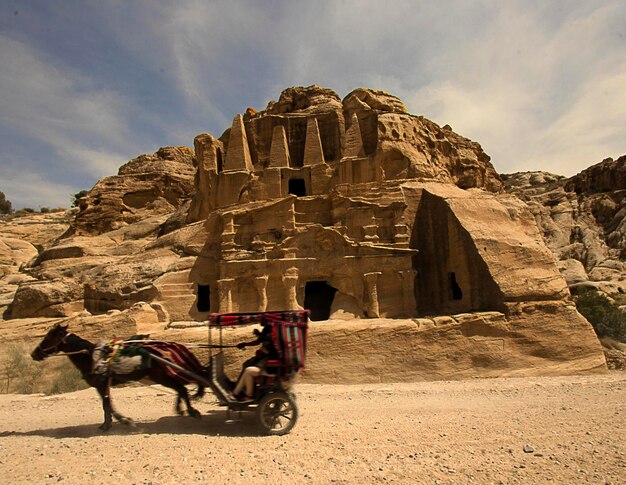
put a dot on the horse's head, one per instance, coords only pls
(51, 342)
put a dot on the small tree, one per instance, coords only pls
(605, 317)
(5, 205)
(21, 373)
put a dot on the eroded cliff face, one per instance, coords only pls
(146, 186)
(352, 208)
(582, 219)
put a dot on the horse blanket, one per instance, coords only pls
(118, 356)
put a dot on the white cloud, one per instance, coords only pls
(61, 110)
(34, 190)
(536, 93)
(538, 84)
(591, 129)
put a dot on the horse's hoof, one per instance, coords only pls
(105, 426)
(128, 422)
(194, 413)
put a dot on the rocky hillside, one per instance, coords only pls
(583, 221)
(120, 263)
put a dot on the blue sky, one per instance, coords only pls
(87, 85)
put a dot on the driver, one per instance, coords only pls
(253, 367)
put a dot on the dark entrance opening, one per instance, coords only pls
(204, 298)
(297, 187)
(318, 297)
(455, 290)
(219, 160)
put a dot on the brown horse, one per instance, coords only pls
(80, 353)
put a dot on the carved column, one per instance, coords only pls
(260, 282)
(238, 151)
(408, 296)
(290, 222)
(353, 140)
(370, 233)
(228, 232)
(371, 286)
(225, 294)
(290, 280)
(401, 236)
(313, 152)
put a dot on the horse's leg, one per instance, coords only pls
(103, 387)
(193, 412)
(182, 394)
(109, 410)
(160, 376)
(177, 407)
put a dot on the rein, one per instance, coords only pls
(63, 354)
(186, 344)
(54, 349)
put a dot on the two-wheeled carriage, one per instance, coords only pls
(173, 365)
(273, 399)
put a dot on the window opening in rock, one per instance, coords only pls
(297, 187)
(219, 160)
(204, 298)
(455, 289)
(318, 297)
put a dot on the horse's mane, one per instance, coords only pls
(80, 343)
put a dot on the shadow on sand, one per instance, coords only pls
(212, 424)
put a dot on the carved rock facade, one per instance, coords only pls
(357, 209)
(351, 208)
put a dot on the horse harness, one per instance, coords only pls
(54, 349)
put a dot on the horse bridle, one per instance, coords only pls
(53, 348)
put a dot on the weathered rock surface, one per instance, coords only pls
(390, 226)
(310, 136)
(583, 220)
(21, 240)
(145, 186)
(39, 229)
(311, 99)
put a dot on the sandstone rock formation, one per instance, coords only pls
(583, 221)
(384, 223)
(145, 186)
(309, 142)
(21, 240)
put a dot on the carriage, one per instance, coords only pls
(273, 400)
(173, 365)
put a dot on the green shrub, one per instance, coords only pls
(605, 317)
(26, 211)
(67, 379)
(5, 205)
(21, 373)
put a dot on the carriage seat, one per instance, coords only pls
(271, 367)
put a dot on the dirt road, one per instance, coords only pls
(534, 430)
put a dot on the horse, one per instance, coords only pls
(80, 352)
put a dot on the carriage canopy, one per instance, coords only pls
(288, 331)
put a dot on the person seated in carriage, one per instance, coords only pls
(254, 366)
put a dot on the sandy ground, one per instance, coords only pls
(533, 430)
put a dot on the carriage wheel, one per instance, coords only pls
(277, 413)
